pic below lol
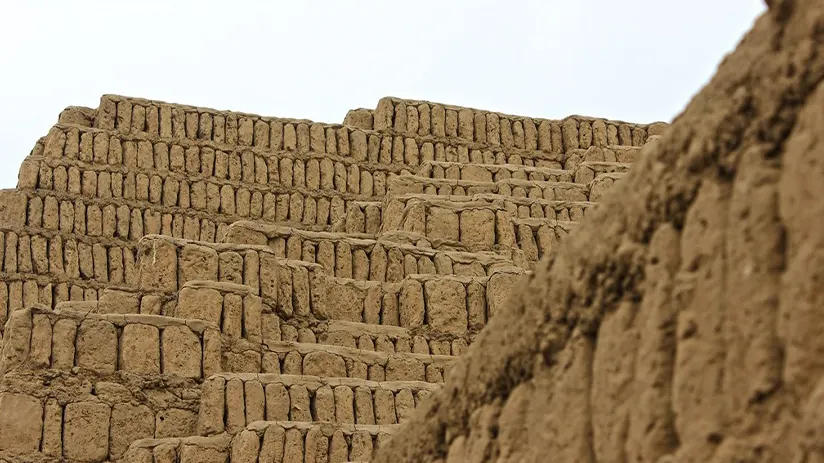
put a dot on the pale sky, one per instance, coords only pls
(633, 60)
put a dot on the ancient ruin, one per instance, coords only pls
(425, 282)
(682, 320)
(182, 284)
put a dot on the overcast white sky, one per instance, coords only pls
(634, 60)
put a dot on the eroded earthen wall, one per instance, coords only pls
(180, 284)
(680, 322)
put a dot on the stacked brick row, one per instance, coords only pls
(132, 115)
(181, 284)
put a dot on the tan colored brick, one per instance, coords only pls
(21, 423)
(181, 352)
(86, 431)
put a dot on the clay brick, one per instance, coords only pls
(438, 121)
(320, 363)
(299, 404)
(498, 291)
(140, 349)
(344, 302)
(507, 137)
(404, 404)
(364, 408)
(405, 369)
(362, 446)
(411, 305)
(158, 266)
(191, 125)
(175, 422)
(293, 446)
(385, 407)
(129, 423)
(21, 423)
(272, 447)
(63, 344)
(86, 431)
(198, 454)
(231, 129)
(277, 402)
(232, 325)
(384, 114)
(181, 352)
(476, 302)
(442, 224)
(52, 444)
(152, 121)
(211, 352)
(166, 121)
(97, 346)
(446, 306)
(317, 446)
(123, 121)
(478, 228)
(164, 453)
(230, 267)
(234, 410)
(41, 341)
(245, 447)
(210, 418)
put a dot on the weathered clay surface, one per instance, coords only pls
(186, 285)
(681, 321)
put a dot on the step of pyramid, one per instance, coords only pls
(497, 129)
(241, 356)
(388, 339)
(286, 441)
(290, 289)
(415, 184)
(362, 257)
(587, 171)
(602, 183)
(233, 308)
(619, 153)
(25, 290)
(239, 314)
(137, 115)
(192, 449)
(110, 218)
(364, 217)
(82, 414)
(536, 208)
(443, 304)
(148, 205)
(40, 338)
(480, 222)
(85, 159)
(492, 172)
(229, 129)
(105, 344)
(230, 402)
(294, 288)
(39, 251)
(374, 338)
(291, 441)
(166, 264)
(537, 238)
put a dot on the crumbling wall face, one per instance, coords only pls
(186, 285)
(680, 323)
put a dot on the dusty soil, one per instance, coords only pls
(684, 320)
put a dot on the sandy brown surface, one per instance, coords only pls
(683, 322)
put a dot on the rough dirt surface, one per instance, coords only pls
(683, 321)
